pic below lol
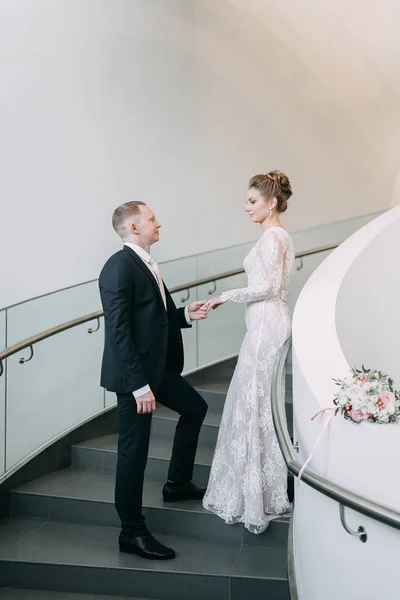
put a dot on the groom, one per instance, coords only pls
(142, 363)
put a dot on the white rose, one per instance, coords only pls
(390, 409)
(357, 397)
(358, 404)
(372, 408)
(342, 397)
(383, 417)
(356, 391)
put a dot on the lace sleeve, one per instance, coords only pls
(266, 279)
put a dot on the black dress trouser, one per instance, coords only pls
(133, 444)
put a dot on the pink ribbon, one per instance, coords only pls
(317, 441)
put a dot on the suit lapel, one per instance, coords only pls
(139, 262)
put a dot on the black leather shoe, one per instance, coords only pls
(145, 546)
(182, 491)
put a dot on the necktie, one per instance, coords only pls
(156, 269)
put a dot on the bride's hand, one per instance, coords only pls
(213, 303)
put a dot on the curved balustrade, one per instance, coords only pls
(343, 497)
(347, 311)
(58, 388)
(323, 485)
(44, 396)
(186, 287)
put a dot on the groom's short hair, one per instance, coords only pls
(130, 211)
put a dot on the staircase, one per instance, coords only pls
(63, 530)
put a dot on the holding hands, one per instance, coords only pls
(213, 303)
(146, 403)
(197, 310)
(200, 309)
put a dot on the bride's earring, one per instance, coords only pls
(270, 212)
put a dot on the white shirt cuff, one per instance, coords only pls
(143, 390)
(188, 319)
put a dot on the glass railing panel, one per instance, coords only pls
(34, 316)
(55, 391)
(177, 272)
(2, 394)
(221, 261)
(60, 387)
(189, 335)
(322, 235)
(220, 335)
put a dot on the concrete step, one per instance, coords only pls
(82, 496)
(217, 378)
(101, 455)
(74, 557)
(165, 420)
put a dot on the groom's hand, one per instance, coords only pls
(197, 311)
(146, 403)
(213, 303)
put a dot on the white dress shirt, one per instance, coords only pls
(145, 256)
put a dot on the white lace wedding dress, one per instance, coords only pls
(248, 476)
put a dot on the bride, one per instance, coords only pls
(248, 475)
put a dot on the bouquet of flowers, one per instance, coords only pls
(367, 395)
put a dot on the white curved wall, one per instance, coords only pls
(367, 308)
(178, 102)
(340, 317)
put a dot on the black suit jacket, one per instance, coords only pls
(141, 337)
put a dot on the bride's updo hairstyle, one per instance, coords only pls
(273, 184)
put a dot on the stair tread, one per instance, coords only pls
(217, 387)
(215, 378)
(80, 484)
(81, 535)
(57, 543)
(160, 448)
(23, 594)
(213, 417)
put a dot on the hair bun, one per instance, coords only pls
(275, 183)
(282, 181)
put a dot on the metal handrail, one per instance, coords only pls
(341, 495)
(29, 342)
